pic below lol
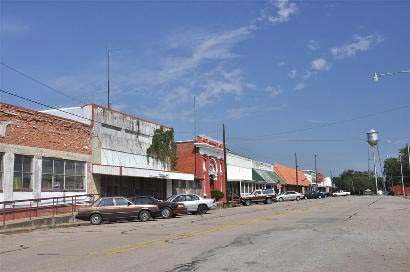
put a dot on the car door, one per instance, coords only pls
(191, 202)
(107, 208)
(123, 208)
(182, 199)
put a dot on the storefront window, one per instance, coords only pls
(22, 173)
(59, 175)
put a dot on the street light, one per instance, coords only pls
(376, 76)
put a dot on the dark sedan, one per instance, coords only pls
(315, 194)
(116, 208)
(168, 209)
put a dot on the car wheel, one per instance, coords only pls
(297, 198)
(96, 219)
(144, 215)
(268, 201)
(319, 196)
(248, 202)
(166, 213)
(202, 209)
(280, 199)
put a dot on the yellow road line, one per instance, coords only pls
(197, 232)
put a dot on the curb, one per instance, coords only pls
(43, 227)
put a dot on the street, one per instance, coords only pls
(334, 234)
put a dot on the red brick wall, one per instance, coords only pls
(185, 158)
(41, 130)
(398, 190)
(186, 163)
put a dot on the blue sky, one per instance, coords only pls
(263, 68)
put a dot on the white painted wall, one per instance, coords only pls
(262, 165)
(239, 168)
(85, 111)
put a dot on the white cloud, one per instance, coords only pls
(358, 44)
(300, 86)
(244, 111)
(284, 10)
(281, 63)
(320, 64)
(13, 25)
(313, 45)
(292, 73)
(192, 62)
(273, 91)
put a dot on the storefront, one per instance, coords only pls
(125, 181)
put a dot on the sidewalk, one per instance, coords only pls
(46, 222)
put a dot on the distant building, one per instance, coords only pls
(246, 175)
(288, 175)
(203, 158)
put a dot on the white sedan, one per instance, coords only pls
(194, 203)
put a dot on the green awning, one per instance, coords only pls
(266, 177)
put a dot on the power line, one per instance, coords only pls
(257, 137)
(41, 83)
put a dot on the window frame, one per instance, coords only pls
(23, 173)
(81, 175)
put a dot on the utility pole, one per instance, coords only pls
(402, 177)
(108, 79)
(316, 173)
(331, 181)
(225, 162)
(297, 178)
(375, 172)
(194, 138)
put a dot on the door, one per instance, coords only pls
(107, 208)
(124, 210)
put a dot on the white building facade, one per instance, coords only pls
(119, 150)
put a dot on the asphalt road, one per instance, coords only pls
(333, 234)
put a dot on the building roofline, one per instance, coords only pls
(127, 114)
(44, 113)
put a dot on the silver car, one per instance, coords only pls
(289, 195)
(194, 203)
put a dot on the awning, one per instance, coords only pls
(266, 177)
(140, 172)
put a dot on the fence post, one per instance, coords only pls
(4, 215)
(36, 207)
(14, 216)
(30, 210)
(57, 207)
(52, 208)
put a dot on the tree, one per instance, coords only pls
(392, 168)
(163, 148)
(356, 182)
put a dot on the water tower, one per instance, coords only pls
(373, 141)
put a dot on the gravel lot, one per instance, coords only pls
(334, 234)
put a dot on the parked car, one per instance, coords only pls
(168, 209)
(194, 203)
(341, 193)
(115, 208)
(289, 195)
(315, 194)
(266, 196)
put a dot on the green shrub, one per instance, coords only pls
(217, 194)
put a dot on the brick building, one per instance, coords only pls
(203, 158)
(42, 155)
(120, 165)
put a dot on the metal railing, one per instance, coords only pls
(36, 207)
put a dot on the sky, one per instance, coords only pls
(284, 77)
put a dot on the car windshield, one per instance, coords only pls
(169, 199)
